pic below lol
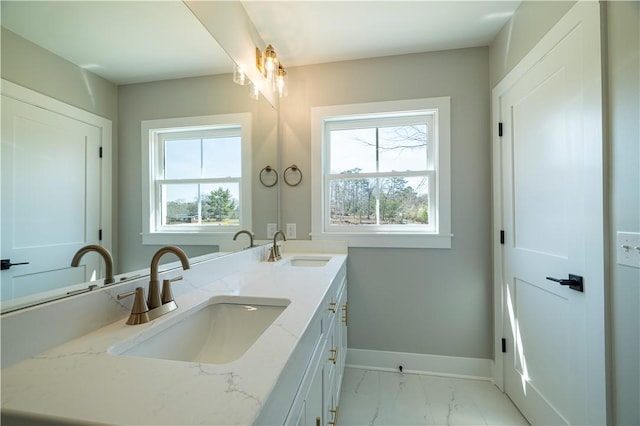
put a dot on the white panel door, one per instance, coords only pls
(552, 207)
(50, 198)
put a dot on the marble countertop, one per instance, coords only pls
(80, 381)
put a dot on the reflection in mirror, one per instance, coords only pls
(199, 175)
(123, 62)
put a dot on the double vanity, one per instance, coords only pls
(251, 342)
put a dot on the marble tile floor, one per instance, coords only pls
(388, 398)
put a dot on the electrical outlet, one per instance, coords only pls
(291, 231)
(272, 228)
(628, 249)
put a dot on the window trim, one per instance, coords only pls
(194, 236)
(409, 239)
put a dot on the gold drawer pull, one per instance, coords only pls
(335, 416)
(317, 421)
(332, 306)
(334, 356)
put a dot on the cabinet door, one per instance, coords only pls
(331, 405)
(341, 339)
(313, 403)
(302, 416)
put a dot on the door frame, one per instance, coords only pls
(578, 13)
(40, 100)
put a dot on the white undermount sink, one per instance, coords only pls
(307, 261)
(219, 332)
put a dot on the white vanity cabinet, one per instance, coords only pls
(317, 399)
(337, 351)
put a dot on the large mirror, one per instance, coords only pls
(126, 62)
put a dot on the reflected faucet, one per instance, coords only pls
(108, 260)
(153, 298)
(245, 232)
(274, 253)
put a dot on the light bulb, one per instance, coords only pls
(270, 62)
(254, 92)
(239, 77)
(282, 82)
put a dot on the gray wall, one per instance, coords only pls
(425, 301)
(621, 20)
(531, 21)
(185, 98)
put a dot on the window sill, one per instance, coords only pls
(187, 238)
(389, 240)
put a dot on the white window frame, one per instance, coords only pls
(438, 236)
(153, 133)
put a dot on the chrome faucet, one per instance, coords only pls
(153, 298)
(245, 232)
(108, 260)
(274, 253)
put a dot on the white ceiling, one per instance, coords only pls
(135, 41)
(308, 32)
(122, 41)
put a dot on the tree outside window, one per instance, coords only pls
(394, 164)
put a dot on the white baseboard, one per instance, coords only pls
(472, 368)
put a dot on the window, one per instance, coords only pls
(380, 174)
(195, 181)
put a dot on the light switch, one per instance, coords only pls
(291, 231)
(272, 228)
(628, 249)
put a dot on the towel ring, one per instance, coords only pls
(268, 169)
(293, 168)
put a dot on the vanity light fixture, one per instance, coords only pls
(272, 71)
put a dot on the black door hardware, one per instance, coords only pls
(6, 264)
(574, 282)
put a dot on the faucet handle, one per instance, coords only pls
(139, 309)
(167, 295)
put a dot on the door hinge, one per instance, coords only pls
(502, 237)
(500, 129)
(99, 234)
(100, 152)
(504, 345)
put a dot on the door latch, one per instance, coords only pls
(574, 282)
(6, 264)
